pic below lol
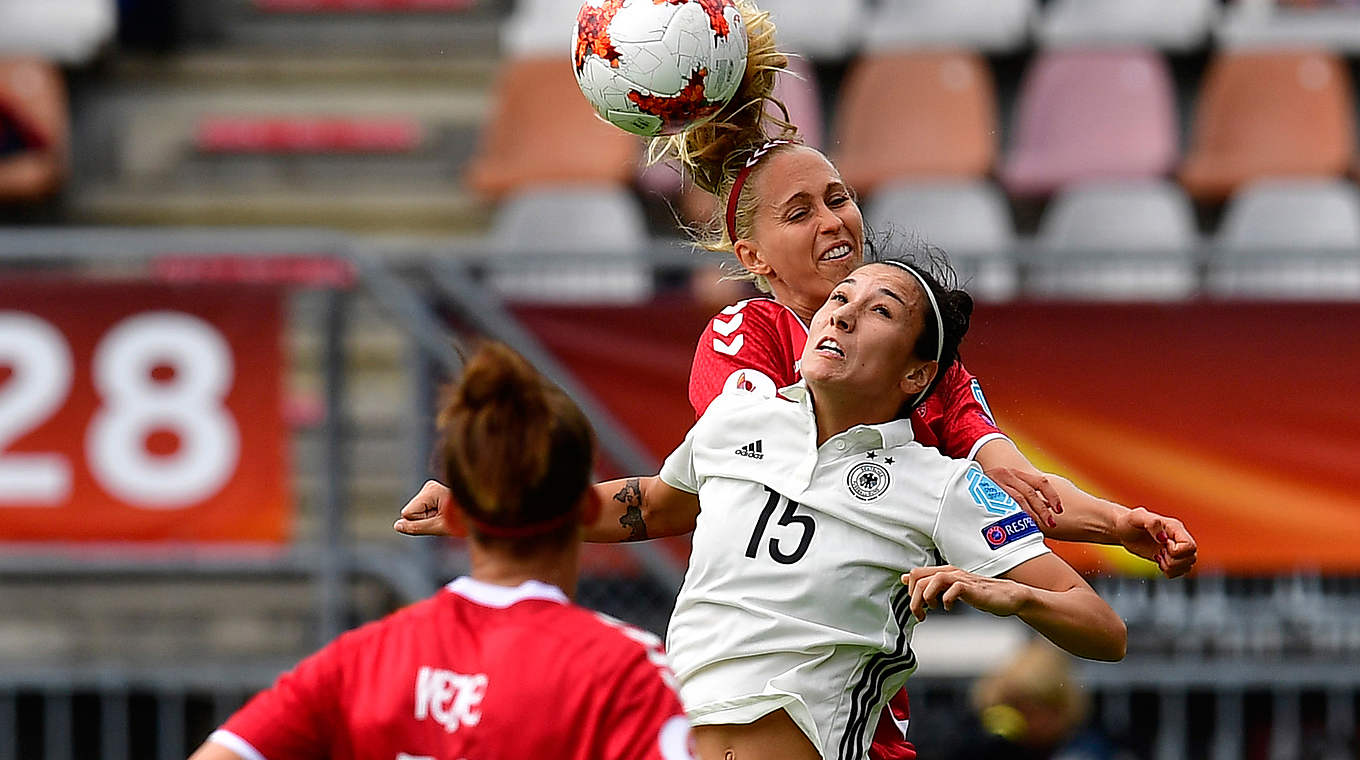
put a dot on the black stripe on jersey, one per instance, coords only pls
(870, 685)
(880, 668)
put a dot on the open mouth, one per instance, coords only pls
(828, 346)
(841, 251)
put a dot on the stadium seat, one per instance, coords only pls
(541, 131)
(992, 26)
(1091, 114)
(915, 115)
(1289, 239)
(1179, 25)
(1131, 239)
(822, 31)
(968, 219)
(66, 31)
(539, 28)
(1335, 26)
(599, 220)
(800, 94)
(1277, 113)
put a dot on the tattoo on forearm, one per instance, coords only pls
(631, 497)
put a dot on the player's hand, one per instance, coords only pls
(1159, 538)
(430, 513)
(1031, 490)
(941, 586)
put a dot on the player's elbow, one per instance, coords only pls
(1111, 641)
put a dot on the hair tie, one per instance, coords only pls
(741, 180)
(521, 531)
(939, 319)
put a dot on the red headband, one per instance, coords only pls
(741, 180)
(521, 531)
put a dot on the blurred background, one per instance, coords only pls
(243, 236)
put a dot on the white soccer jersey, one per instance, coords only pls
(793, 596)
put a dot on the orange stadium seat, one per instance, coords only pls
(542, 131)
(1262, 114)
(926, 115)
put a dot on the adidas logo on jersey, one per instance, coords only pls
(752, 450)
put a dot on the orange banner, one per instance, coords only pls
(1241, 419)
(139, 412)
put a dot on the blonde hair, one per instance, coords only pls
(712, 154)
(1039, 673)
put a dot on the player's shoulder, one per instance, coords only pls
(600, 642)
(752, 312)
(930, 465)
(957, 376)
(744, 402)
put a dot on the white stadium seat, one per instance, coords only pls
(1127, 240)
(69, 31)
(599, 220)
(1269, 24)
(969, 220)
(539, 27)
(1167, 24)
(819, 30)
(1289, 238)
(987, 25)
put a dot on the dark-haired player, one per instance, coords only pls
(499, 664)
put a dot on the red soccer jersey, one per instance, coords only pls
(475, 672)
(758, 344)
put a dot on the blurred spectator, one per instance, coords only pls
(33, 130)
(1031, 708)
(68, 31)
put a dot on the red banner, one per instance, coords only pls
(1241, 419)
(140, 412)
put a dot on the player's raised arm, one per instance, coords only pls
(1044, 591)
(1086, 518)
(636, 509)
(632, 509)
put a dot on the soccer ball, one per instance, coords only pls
(657, 67)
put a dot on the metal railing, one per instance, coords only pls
(162, 711)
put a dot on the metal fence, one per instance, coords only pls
(1217, 669)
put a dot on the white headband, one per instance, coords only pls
(939, 319)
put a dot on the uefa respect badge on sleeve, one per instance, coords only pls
(1009, 529)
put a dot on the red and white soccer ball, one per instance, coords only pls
(657, 67)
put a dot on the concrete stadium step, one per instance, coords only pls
(148, 131)
(158, 620)
(140, 156)
(472, 31)
(434, 210)
(452, 74)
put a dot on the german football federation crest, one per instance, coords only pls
(868, 480)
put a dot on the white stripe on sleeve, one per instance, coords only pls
(236, 744)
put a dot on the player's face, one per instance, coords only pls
(862, 338)
(807, 233)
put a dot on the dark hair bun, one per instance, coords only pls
(515, 452)
(497, 376)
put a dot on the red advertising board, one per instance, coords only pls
(141, 412)
(1243, 419)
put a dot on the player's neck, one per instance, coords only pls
(557, 568)
(838, 412)
(803, 308)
